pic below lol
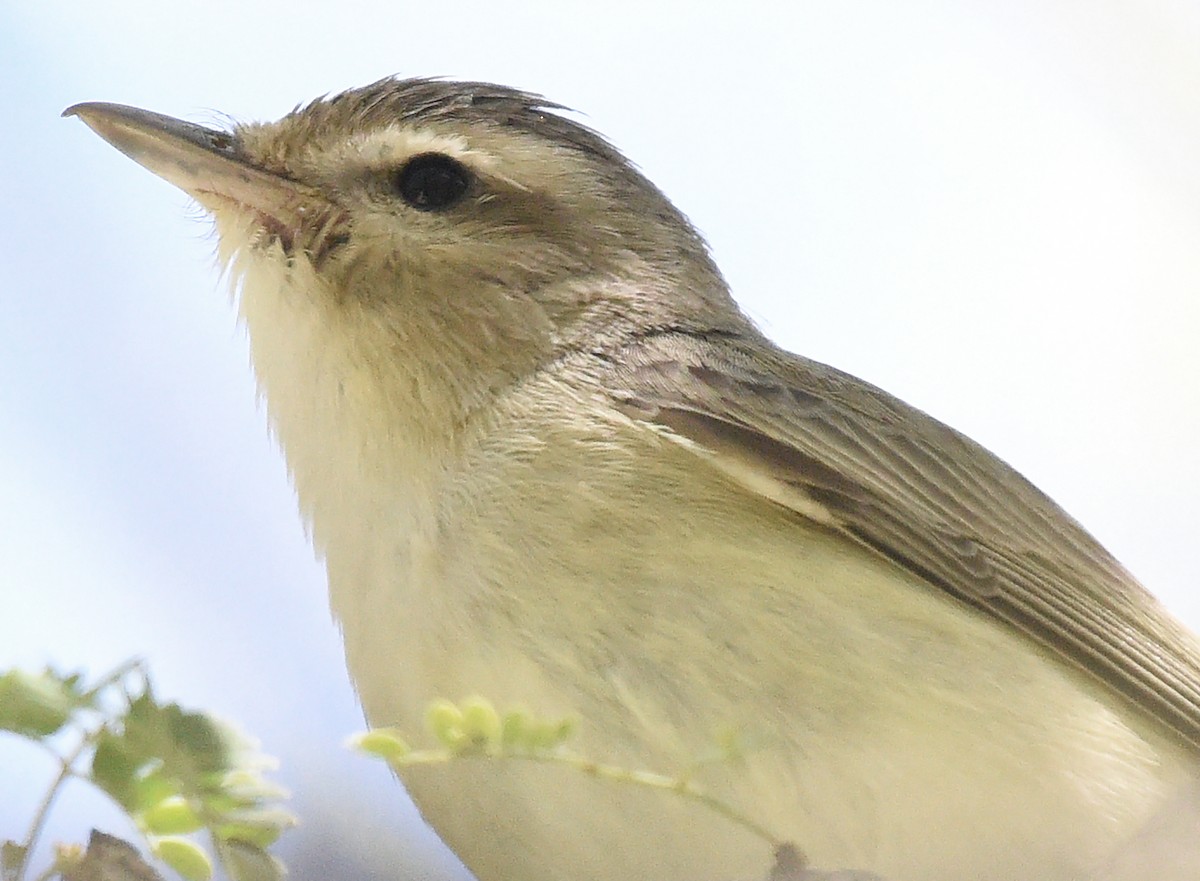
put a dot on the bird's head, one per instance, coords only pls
(443, 238)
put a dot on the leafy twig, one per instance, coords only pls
(175, 772)
(475, 729)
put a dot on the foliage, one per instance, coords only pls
(476, 729)
(176, 772)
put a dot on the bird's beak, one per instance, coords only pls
(207, 164)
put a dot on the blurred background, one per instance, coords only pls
(991, 208)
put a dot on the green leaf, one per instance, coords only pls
(243, 787)
(190, 745)
(35, 705)
(244, 861)
(115, 769)
(184, 856)
(152, 788)
(260, 826)
(171, 816)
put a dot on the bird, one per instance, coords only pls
(547, 459)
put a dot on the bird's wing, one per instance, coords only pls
(889, 476)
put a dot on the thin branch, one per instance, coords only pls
(66, 771)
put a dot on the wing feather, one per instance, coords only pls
(923, 495)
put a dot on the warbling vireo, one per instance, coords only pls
(547, 460)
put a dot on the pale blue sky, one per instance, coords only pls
(990, 208)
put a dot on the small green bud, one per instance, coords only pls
(445, 721)
(383, 742)
(480, 722)
(514, 730)
(551, 735)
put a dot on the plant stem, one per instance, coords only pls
(66, 770)
(681, 786)
(115, 675)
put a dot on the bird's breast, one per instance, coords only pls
(584, 565)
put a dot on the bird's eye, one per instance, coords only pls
(431, 181)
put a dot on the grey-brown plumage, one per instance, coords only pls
(927, 497)
(549, 461)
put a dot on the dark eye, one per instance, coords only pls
(431, 181)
